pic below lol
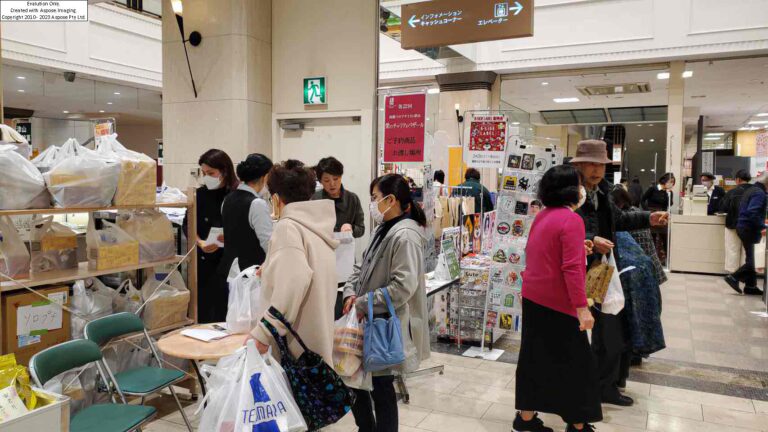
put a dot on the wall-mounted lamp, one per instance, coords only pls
(195, 38)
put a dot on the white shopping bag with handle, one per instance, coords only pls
(614, 297)
(244, 306)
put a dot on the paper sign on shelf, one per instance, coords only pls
(38, 318)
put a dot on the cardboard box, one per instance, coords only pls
(25, 310)
(114, 256)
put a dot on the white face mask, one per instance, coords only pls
(212, 183)
(582, 197)
(707, 184)
(377, 215)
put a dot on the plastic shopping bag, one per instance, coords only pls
(348, 344)
(21, 184)
(14, 257)
(91, 299)
(222, 380)
(165, 303)
(82, 178)
(614, 297)
(110, 247)
(171, 195)
(45, 160)
(53, 245)
(244, 306)
(138, 173)
(153, 231)
(127, 298)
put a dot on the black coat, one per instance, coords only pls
(655, 199)
(730, 204)
(607, 219)
(718, 194)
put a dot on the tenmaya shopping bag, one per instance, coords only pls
(383, 339)
(243, 308)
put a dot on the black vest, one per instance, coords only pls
(240, 239)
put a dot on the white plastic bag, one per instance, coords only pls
(614, 297)
(165, 304)
(45, 160)
(82, 178)
(153, 231)
(91, 299)
(21, 184)
(137, 184)
(171, 195)
(347, 344)
(127, 298)
(222, 383)
(53, 245)
(264, 399)
(14, 257)
(244, 308)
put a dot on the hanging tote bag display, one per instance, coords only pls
(322, 396)
(383, 338)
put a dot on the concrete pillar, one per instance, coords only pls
(232, 69)
(675, 127)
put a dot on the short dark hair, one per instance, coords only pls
(397, 186)
(329, 165)
(621, 198)
(537, 203)
(254, 167)
(472, 173)
(666, 178)
(708, 175)
(292, 181)
(220, 160)
(743, 175)
(440, 176)
(560, 186)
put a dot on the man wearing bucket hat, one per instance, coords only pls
(602, 219)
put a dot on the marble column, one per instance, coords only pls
(675, 127)
(232, 70)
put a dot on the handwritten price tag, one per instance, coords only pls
(38, 317)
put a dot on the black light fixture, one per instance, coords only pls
(195, 38)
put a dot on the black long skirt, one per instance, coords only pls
(556, 372)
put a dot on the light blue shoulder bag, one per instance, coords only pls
(382, 339)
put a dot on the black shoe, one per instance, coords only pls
(586, 428)
(533, 425)
(620, 400)
(753, 291)
(733, 283)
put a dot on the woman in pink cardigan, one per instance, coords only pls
(556, 372)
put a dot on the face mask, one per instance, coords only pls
(212, 183)
(582, 197)
(377, 215)
(707, 184)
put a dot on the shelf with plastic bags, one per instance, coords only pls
(52, 210)
(81, 272)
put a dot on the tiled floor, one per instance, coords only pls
(714, 343)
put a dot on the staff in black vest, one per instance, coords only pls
(218, 181)
(247, 220)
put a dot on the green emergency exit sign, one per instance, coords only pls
(315, 92)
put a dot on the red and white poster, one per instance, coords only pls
(761, 153)
(485, 141)
(404, 128)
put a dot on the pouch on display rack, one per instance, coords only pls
(21, 184)
(82, 178)
(53, 245)
(137, 184)
(244, 309)
(154, 232)
(165, 304)
(110, 247)
(46, 159)
(14, 257)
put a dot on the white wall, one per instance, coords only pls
(114, 45)
(579, 33)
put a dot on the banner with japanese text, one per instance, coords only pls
(485, 140)
(404, 117)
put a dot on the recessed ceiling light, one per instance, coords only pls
(515, 123)
(650, 125)
(652, 140)
(663, 75)
(762, 114)
(65, 112)
(21, 90)
(745, 128)
(759, 122)
(642, 170)
(687, 74)
(430, 91)
(21, 77)
(566, 100)
(101, 111)
(545, 83)
(116, 93)
(109, 103)
(715, 134)
(712, 139)
(642, 140)
(639, 125)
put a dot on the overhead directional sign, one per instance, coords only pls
(452, 22)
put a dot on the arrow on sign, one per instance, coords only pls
(412, 22)
(518, 8)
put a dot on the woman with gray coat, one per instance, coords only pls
(393, 259)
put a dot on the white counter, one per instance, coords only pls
(697, 244)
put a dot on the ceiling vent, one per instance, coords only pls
(615, 89)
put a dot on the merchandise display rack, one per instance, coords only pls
(83, 271)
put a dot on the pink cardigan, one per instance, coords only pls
(555, 272)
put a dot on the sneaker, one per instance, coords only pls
(733, 283)
(586, 428)
(753, 291)
(533, 425)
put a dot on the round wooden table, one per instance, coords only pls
(176, 344)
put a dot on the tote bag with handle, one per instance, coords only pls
(383, 339)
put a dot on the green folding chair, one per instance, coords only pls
(141, 381)
(96, 418)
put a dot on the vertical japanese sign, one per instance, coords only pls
(404, 128)
(485, 141)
